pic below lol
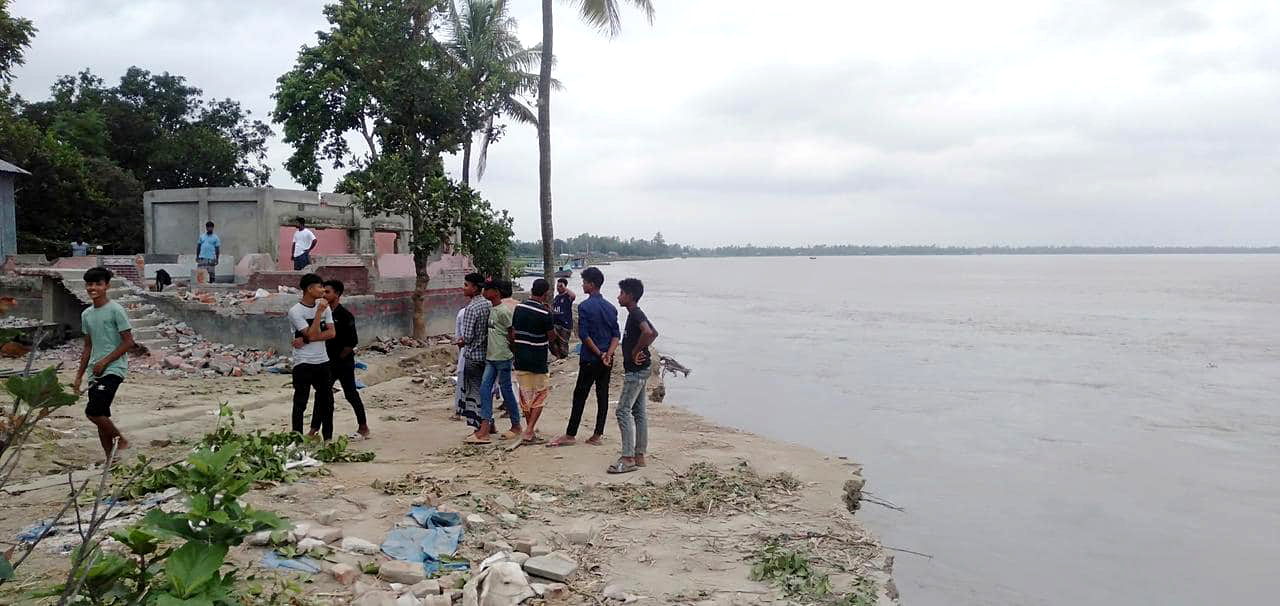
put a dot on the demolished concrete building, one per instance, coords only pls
(370, 254)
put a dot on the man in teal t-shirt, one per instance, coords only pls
(108, 337)
(208, 250)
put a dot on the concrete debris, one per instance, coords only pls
(613, 592)
(556, 566)
(408, 600)
(327, 516)
(556, 591)
(505, 502)
(437, 600)
(358, 545)
(426, 588)
(524, 546)
(376, 598)
(400, 571)
(500, 584)
(345, 574)
(309, 543)
(328, 534)
(509, 519)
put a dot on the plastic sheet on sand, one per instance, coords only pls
(433, 543)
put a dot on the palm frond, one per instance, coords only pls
(606, 15)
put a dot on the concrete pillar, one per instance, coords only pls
(202, 209)
(269, 226)
(47, 304)
(148, 223)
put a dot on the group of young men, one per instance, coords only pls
(497, 339)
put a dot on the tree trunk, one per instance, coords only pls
(466, 161)
(544, 144)
(420, 295)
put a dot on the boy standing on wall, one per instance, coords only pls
(208, 251)
(304, 241)
(312, 324)
(108, 337)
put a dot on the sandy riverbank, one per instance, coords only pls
(641, 539)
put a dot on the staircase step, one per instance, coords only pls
(147, 333)
(154, 346)
(144, 321)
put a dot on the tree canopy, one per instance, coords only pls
(380, 72)
(15, 37)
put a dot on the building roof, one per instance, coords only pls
(6, 167)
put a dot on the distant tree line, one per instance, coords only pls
(658, 248)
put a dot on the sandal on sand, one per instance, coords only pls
(556, 443)
(535, 440)
(621, 466)
(510, 435)
(474, 440)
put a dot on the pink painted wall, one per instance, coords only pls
(384, 242)
(330, 242)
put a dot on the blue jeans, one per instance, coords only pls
(632, 421)
(500, 371)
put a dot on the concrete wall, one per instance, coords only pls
(249, 220)
(26, 291)
(381, 315)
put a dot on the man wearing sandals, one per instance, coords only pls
(636, 338)
(473, 340)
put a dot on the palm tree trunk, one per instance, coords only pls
(544, 144)
(466, 162)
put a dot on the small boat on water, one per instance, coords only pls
(813, 257)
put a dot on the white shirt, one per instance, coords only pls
(300, 317)
(302, 240)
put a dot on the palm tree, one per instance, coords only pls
(484, 46)
(605, 16)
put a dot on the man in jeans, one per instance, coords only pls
(497, 365)
(598, 331)
(312, 325)
(632, 421)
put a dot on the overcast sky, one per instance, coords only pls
(839, 121)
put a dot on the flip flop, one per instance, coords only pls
(475, 440)
(621, 466)
(536, 440)
(555, 444)
(509, 435)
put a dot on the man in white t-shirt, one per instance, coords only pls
(312, 324)
(304, 241)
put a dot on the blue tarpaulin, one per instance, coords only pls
(271, 559)
(434, 543)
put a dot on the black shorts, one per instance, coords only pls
(102, 391)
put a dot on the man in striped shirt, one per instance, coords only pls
(534, 331)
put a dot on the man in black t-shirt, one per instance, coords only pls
(534, 332)
(342, 352)
(562, 316)
(636, 338)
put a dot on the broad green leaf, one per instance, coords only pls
(169, 600)
(6, 569)
(192, 566)
(40, 390)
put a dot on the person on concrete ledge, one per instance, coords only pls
(208, 251)
(304, 241)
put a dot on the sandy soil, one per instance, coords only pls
(669, 555)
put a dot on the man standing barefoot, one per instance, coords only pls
(533, 333)
(108, 337)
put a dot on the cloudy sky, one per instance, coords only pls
(919, 121)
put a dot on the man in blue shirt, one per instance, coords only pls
(598, 331)
(208, 250)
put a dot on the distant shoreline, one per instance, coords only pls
(925, 251)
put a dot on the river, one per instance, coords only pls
(1061, 430)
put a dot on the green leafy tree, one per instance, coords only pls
(500, 71)
(15, 35)
(605, 16)
(380, 72)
